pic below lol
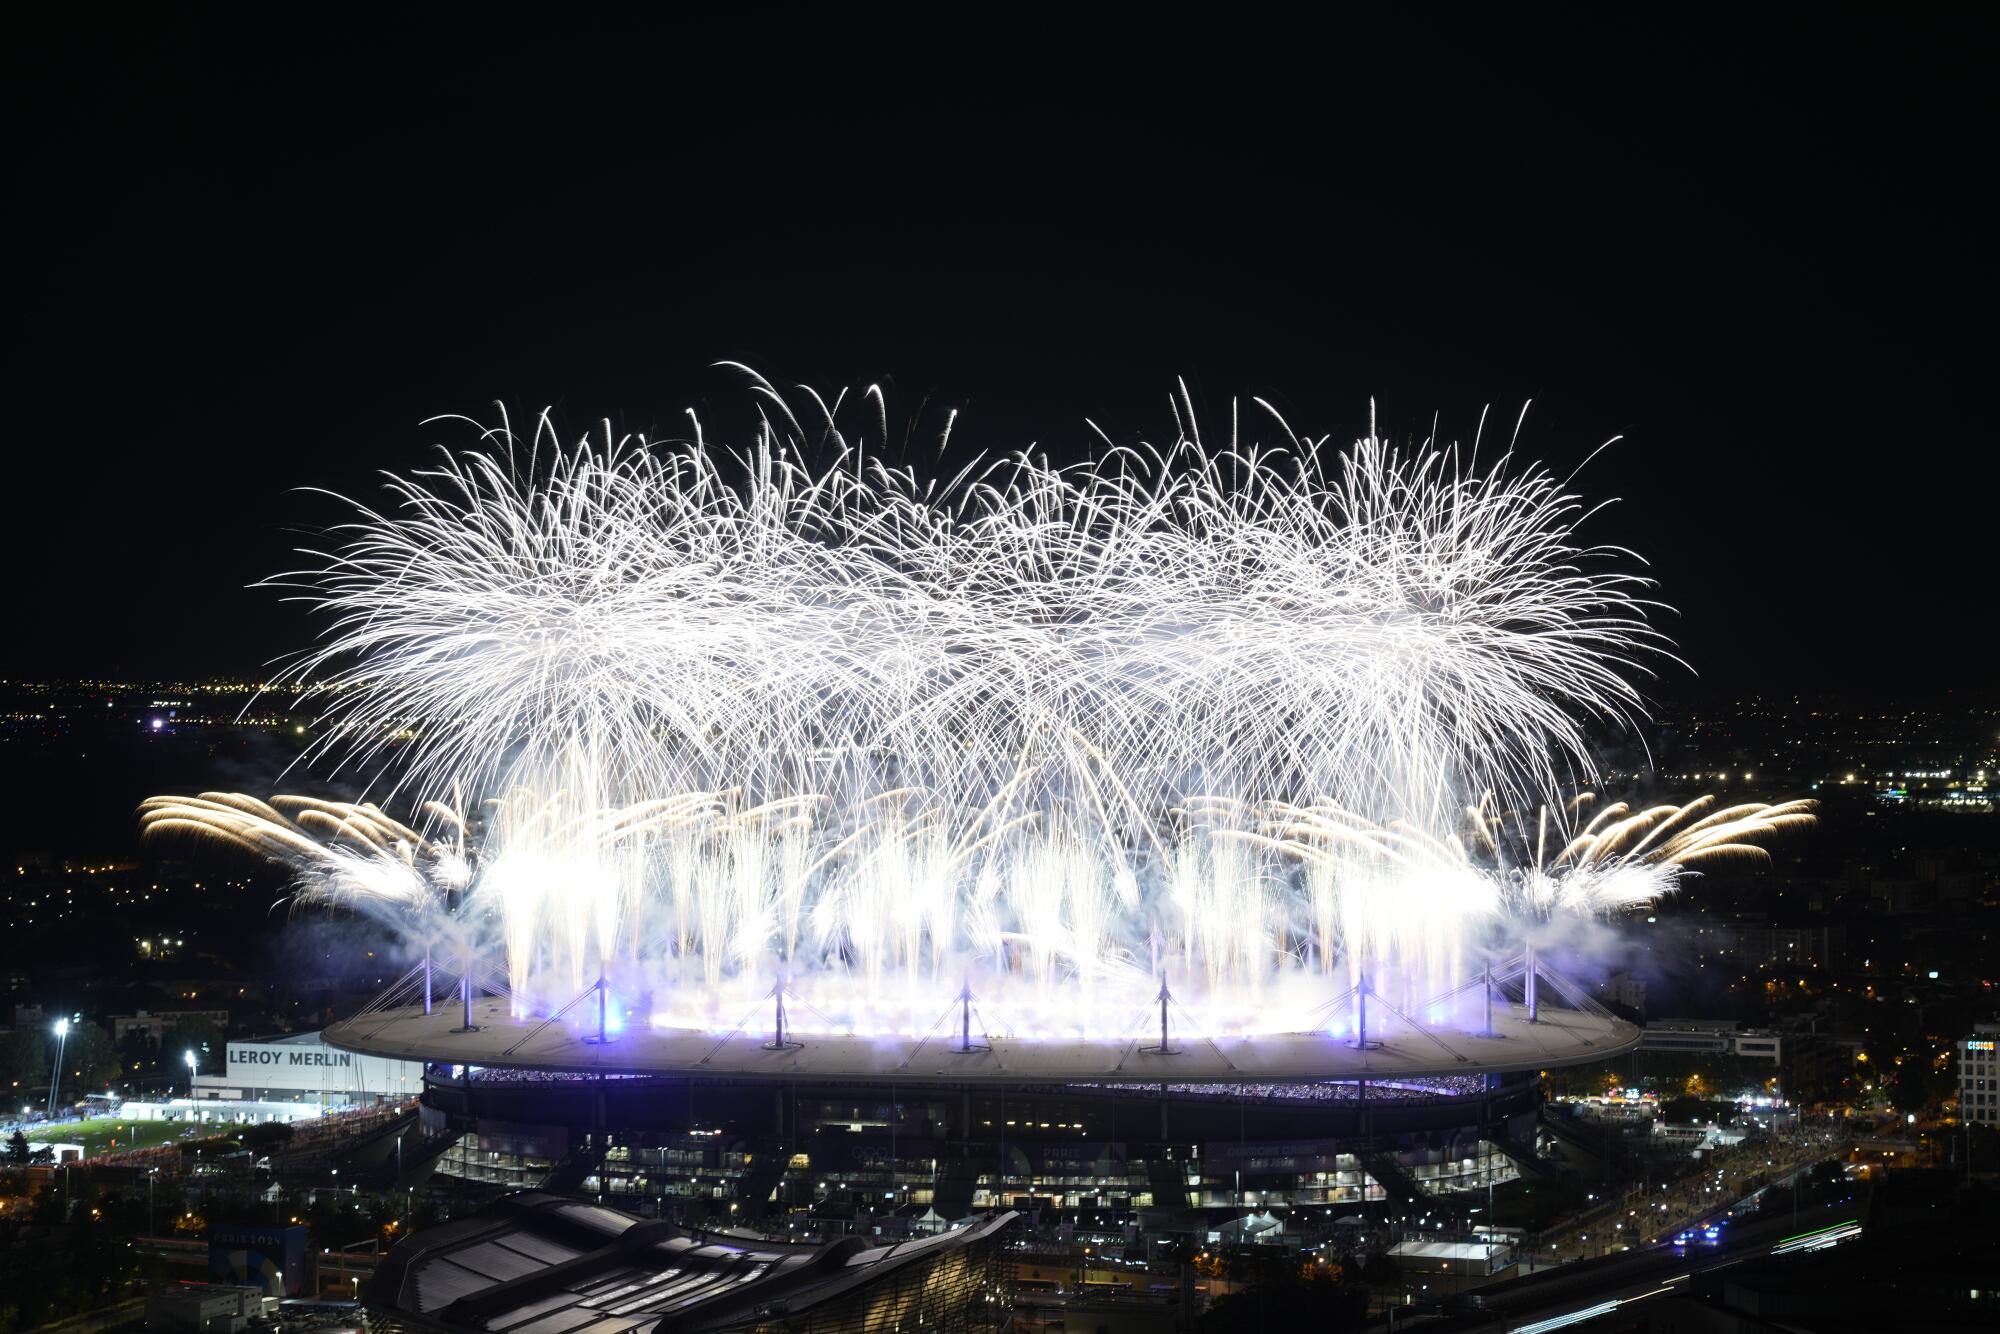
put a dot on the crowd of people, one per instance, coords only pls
(322, 1131)
(1323, 1090)
(1710, 1183)
(40, 1127)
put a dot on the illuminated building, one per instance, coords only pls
(1979, 1076)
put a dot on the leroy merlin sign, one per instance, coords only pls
(242, 1054)
(309, 1064)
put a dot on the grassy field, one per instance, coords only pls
(97, 1136)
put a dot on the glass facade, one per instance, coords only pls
(906, 1161)
(644, 1172)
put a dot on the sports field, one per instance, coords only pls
(108, 1134)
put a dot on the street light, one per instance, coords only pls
(193, 1064)
(55, 1076)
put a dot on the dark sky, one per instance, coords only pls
(255, 258)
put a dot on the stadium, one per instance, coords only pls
(1163, 1134)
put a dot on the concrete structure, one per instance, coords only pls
(498, 1039)
(1190, 1156)
(1803, 1061)
(1712, 1037)
(1761, 1047)
(1789, 947)
(1699, 1037)
(1979, 1076)
(871, 1134)
(206, 1308)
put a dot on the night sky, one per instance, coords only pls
(253, 259)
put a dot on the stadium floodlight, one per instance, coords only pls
(55, 1075)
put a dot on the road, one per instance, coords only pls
(1577, 1294)
(1726, 1176)
(1660, 1270)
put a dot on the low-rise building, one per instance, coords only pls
(157, 1024)
(206, 1308)
(1621, 988)
(299, 1067)
(1701, 1037)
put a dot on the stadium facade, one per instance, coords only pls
(907, 1136)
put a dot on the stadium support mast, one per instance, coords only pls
(779, 1042)
(1528, 992)
(965, 1044)
(465, 996)
(1166, 1047)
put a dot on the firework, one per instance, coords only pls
(728, 719)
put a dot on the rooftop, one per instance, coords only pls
(534, 1263)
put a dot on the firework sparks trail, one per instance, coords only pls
(727, 718)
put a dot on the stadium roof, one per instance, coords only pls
(534, 1263)
(503, 1040)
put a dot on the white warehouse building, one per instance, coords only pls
(299, 1067)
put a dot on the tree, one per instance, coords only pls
(1917, 1087)
(1281, 1299)
(90, 1061)
(98, 1261)
(1695, 1111)
(24, 1059)
(213, 1147)
(192, 1032)
(24, 1286)
(266, 1136)
(17, 1150)
(138, 1048)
